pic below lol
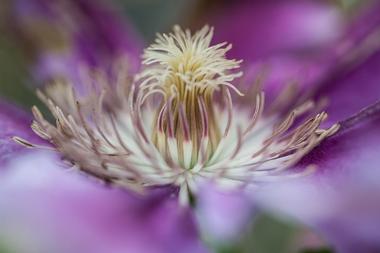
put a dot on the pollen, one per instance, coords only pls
(176, 123)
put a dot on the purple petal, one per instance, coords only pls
(341, 198)
(64, 35)
(352, 91)
(335, 68)
(280, 71)
(285, 42)
(13, 122)
(48, 209)
(222, 215)
(262, 28)
(356, 57)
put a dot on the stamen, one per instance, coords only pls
(186, 69)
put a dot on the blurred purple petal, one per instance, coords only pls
(353, 67)
(222, 215)
(280, 71)
(64, 35)
(363, 25)
(333, 68)
(352, 91)
(341, 198)
(47, 209)
(284, 42)
(13, 122)
(262, 28)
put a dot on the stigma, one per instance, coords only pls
(178, 122)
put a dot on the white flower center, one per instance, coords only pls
(186, 71)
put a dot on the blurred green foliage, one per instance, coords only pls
(5, 249)
(14, 76)
(348, 4)
(270, 235)
(152, 16)
(323, 250)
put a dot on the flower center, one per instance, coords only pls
(186, 71)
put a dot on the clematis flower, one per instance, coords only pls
(153, 142)
(168, 129)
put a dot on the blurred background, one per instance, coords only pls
(147, 18)
(259, 30)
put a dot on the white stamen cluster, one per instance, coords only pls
(180, 60)
(167, 129)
